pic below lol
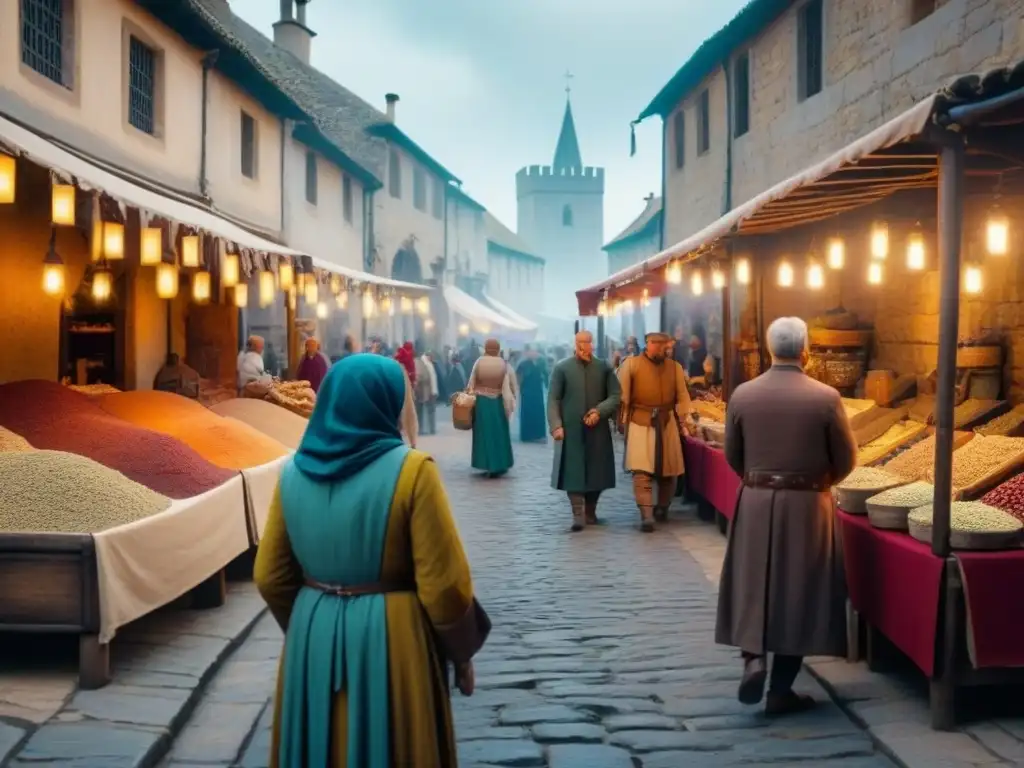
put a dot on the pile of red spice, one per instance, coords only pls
(52, 417)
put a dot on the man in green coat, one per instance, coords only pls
(583, 396)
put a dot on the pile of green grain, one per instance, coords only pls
(11, 442)
(58, 492)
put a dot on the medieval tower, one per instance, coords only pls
(561, 214)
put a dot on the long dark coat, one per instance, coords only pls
(783, 589)
(585, 461)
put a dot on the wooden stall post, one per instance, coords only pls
(942, 693)
(601, 352)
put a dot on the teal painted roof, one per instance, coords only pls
(567, 151)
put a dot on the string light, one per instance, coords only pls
(369, 305)
(815, 277)
(785, 275)
(342, 299)
(311, 291)
(697, 283)
(972, 279)
(406, 304)
(336, 284)
(915, 251)
(836, 252)
(875, 273)
(879, 240)
(717, 279)
(997, 233)
(423, 305)
(674, 273)
(743, 271)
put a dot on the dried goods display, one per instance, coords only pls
(224, 442)
(52, 417)
(94, 389)
(972, 525)
(285, 427)
(11, 442)
(917, 461)
(1010, 424)
(710, 411)
(212, 392)
(889, 509)
(1008, 497)
(859, 412)
(882, 420)
(297, 396)
(712, 394)
(713, 432)
(971, 412)
(57, 492)
(860, 485)
(922, 409)
(894, 438)
(979, 464)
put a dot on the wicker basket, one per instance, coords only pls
(843, 374)
(979, 357)
(463, 404)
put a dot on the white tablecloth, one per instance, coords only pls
(260, 483)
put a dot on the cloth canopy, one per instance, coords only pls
(461, 303)
(509, 313)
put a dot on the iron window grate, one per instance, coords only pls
(141, 86)
(42, 37)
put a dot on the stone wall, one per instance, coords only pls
(877, 66)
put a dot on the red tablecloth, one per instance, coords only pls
(693, 463)
(993, 584)
(723, 485)
(894, 583)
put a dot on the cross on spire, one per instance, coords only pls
(568, 82)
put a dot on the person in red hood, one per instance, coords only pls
(407, 357)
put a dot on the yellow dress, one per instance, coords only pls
(421, 544)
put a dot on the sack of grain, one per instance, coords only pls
(463, 404)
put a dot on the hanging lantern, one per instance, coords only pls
(167, 281)
(915, 251)
(62, 205)
(369, 305)
(241, 292)
(342, 299)
(292, 299)
(96, 235)
(997, 232)
(268, 288)
(646, 298)
(321, 310)
(423, 305)
(285, 275)
(602, 308)
(230, 272)
(835, 250)
(53, 270)
(626, 306)
(190, 251)
(785, 275)
(8, 173)
(311, 291)
(201, 286)
(743, 271)
(674, 273)
(717, 279)
(463, 329)
(874, 273)
(406, 304)
(102, 284)
(697, 283)
(151, 246)
(879, 240)
(815, 276)
(386, 305)
(972, 279)
(428, 324)
(113, 240)
(484, 327)
(336, 284)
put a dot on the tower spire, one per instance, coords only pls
(567, 151)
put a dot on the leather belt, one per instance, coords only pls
(786, 481)
(358, 590)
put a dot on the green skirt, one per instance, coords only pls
(492, 443)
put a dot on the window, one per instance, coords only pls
(311, 184)
(47, 29)
(346, 197)
(920, 10)
(679, 136)
(704, 122)
(810, 49)
(141, 86)
(248, 146)
(741, 95)
(419, 189)
(438, 201)
(567, 216)
(394, 175)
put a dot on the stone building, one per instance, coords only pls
(561, 213)
(641, 239)
(515, 274)
(787, 83)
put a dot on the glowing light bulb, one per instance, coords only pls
(697, 283)
(879, 240)
(815, 277)
(342, 299)
(997, 234)
(201, 287)
(53, 278)
(242, 295)
(230, 270)
(972, 279)
(875, 273)
(63, 205)
(743, 271)
(674, 273)
(167, 281)
(322, 311)
(102, 284)
(717, 279)
(836, 253)
(151, 246)
(286, 275)
(785, 275)
(915, 251)
(268, 288)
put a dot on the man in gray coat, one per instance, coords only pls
(582, 397)
(783, 590)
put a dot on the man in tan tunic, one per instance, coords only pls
(655, 410)
(783, 589)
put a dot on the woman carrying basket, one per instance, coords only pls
(490, 382)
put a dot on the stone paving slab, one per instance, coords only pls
(160, 667)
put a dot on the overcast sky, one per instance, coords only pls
(482, 82)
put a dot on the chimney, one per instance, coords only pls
(291, 32)
(391, 99)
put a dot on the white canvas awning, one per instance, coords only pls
(509, 313)
(366, 277)
(461, 303)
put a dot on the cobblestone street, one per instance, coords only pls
(601, 655)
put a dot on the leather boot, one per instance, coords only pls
(647, 519)
(578, 514)
(591, 513)
(661, 514)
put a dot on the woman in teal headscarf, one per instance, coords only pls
(362, 566)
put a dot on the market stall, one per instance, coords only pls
(931, 197)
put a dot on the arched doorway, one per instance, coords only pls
(407, 268)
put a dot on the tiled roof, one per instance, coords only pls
(647, 219)
(503, 237)
(341, 116)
